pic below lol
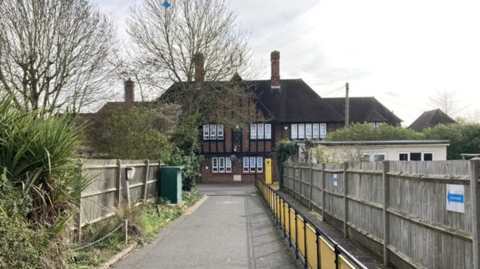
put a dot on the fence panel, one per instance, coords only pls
(100, 199)
(421, 231)
(365, 198)
(334, 188)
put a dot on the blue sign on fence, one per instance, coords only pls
(335, 180)
(455, 198)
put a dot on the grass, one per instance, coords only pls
(145, 222)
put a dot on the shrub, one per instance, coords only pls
(133, 134)
(191, 164)
(20, 246)
(36, 152)
(366, 132)
(285, 150)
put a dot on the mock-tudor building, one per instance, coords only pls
(285, 109)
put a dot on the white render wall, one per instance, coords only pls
(391, 151)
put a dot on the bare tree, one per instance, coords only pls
(197, 46)
(447, 102)
(55, 54)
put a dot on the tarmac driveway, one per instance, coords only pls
(231, 229)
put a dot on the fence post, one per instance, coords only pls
(311, 188)
(386, 222)
(125, 230)
(80, 209)
(145, 181)
(294, 179)
(474, 165)
(119, 182)
(345, 200)
(323, 191)
(300, 180)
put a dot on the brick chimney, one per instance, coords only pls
(199, 61)
(129, 92)
(275, 59)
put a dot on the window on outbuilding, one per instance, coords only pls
(428, 156)
(415, 156)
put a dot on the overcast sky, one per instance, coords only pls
(399, 51)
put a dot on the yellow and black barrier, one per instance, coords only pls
(313, 247)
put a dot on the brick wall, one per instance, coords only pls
(237, 169)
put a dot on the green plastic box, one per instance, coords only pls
(171, 183)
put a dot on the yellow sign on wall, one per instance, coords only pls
(268, 170)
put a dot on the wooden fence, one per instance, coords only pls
(397, 209)
(100, 199)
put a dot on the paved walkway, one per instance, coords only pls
(231, 229)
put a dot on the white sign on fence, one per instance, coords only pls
(456, 198)
(335, 180)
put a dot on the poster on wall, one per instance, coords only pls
(456, 198)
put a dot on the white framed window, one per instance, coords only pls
(213, 132)
(378, 157)
(301, 131)
(316, 131)
(260, 164)
(220, 132)
(206, 132)
(415, 156)
(403, 156)
(228, 165)
(308, 131)
(215, 165)
(268, 131)
(253, 131)
(246, 164)
(427, 156)
(323, 130)
(294, 131)
(221, 165)
(365, 158)
(260, 129)
(253, 163)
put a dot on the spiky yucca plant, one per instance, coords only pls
(36, 153)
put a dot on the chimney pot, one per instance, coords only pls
(275, 60)
(129, 92)
(199, 61)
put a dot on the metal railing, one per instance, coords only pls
(313, 247)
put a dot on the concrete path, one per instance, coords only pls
(231, 229)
